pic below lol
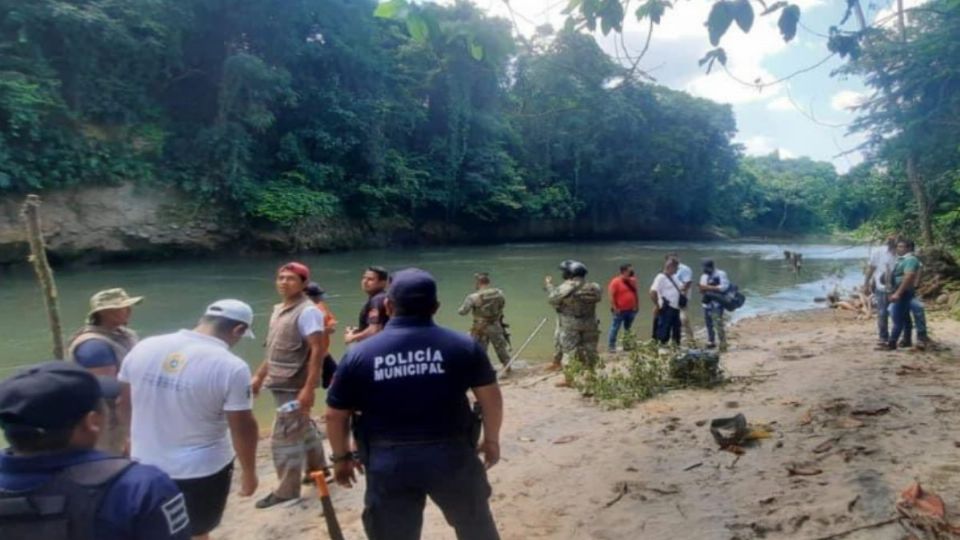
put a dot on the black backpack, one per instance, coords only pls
(65, 507)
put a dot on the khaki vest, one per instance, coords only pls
(113, 437)
(120, 340)
(287, 350)
(488, 305)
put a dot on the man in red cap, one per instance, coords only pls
(291, 370)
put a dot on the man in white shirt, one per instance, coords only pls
(713, 281)
(684, 277)
(187, 390)
(878, 281)
(665, 292)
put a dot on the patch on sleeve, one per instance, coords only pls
(373, 316)
(175, 512)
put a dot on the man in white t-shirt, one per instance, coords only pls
(684, 277)
(665, 294)
(292, 371)
(879, 281)
(187, 390)
(713, 282)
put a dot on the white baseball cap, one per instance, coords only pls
(235, 310)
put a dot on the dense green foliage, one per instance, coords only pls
(794, 196)
(321, 109)
(913, 119)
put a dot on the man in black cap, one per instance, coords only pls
(406, 386)
(713, 282)
(55, 486)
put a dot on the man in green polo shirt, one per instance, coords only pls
(904, 287)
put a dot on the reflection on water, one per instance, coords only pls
(177, 291)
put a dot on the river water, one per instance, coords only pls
(177, 291)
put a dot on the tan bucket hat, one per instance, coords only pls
(112, 299)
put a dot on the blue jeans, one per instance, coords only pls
(901, 318)
(668, 325)
(400, 478)
(883, 315)
(919, 318)
(713, 316)
(624, 318)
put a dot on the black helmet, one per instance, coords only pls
(572, 268)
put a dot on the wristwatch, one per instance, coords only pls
(345, 457)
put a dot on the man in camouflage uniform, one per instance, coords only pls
(576, 303)
(487, 304)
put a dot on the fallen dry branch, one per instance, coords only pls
(874, 525)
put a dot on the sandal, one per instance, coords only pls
(271, 500)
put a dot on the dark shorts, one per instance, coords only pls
(206, 498)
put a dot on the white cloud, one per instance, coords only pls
(781, 103)
(761, 145)
(886, 17)
(844, 100)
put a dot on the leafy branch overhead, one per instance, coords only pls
(423, 26)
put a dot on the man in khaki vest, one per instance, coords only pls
(100, 346)
(291, 371)
(487, 307)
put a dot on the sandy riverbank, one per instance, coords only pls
(572, 470)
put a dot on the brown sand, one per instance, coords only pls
(572, 470)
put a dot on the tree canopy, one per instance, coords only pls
(343, 108)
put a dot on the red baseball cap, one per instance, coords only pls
(297, 268)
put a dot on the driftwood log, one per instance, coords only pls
(30, 212)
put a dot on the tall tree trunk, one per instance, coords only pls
(923, 202)
(913, 177)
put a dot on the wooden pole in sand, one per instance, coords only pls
(38, 257)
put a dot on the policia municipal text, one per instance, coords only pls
(413, 428)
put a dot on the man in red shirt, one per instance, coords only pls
(623, 302)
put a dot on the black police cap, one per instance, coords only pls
(51, 396)
(413, 288)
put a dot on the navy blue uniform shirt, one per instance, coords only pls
(141, 504)
(410, 380)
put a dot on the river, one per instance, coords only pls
(176, 291)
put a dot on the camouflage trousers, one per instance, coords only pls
(487, 333)
(295, 443)
(580, 343)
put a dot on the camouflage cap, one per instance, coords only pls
(112, 299)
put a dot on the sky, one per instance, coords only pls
(807, 115)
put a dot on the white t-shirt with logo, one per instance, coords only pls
(666, 290)
(182, 385)
(883, 262)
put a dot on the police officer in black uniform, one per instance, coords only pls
(406, 391)
(55, 486)
(373, 316)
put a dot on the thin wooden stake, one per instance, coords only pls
(38, 257)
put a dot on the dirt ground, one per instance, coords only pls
(861, 424)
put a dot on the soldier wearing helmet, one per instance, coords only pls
(575, 300)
